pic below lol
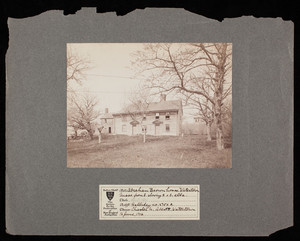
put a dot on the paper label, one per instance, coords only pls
(149, 202)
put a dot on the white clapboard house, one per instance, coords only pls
(156, 118)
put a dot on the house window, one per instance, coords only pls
(157, 116)
(124, 118)
(144, 128)
(105, 120)
(123, 128)
(167, 116)
(167, 127)
(144, 117)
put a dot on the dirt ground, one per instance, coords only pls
(117, 151)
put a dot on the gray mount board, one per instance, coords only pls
(44, 197)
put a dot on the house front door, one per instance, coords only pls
(109, 130)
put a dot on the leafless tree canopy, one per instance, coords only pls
(81, 109)
(138, 107)
(76, 66)
(199, 71)
(139, 100)
(82, 112)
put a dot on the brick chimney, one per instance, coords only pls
(163, 97)
(106, 110)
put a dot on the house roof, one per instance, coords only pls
(106, 116)
(155, 107)
(165, 105)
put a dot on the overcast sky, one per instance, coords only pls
(110, 77)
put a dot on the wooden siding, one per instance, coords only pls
(174, 122)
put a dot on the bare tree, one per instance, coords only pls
(82, 112)
(227, 119)
(76, 66)
(204, 111)
(138, 108)
(201, 69)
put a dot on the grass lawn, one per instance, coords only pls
(118, 151)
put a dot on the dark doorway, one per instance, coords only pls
(109, 130)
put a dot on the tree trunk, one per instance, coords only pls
(208, 131)
(218, 96)
(90, 131)
(218, 118)
(219, 137)
(144, 136)
(99, 137)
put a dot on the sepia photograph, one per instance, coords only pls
(149, 105)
